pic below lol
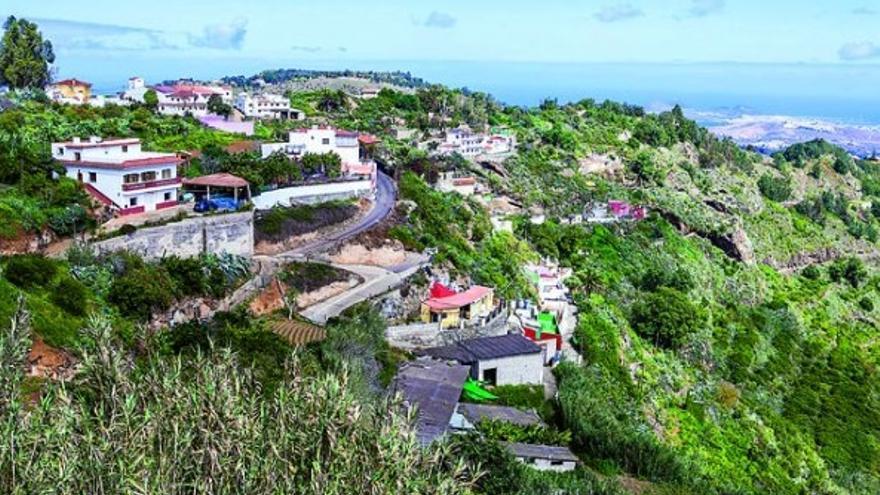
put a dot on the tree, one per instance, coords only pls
(24, 55)
(151, 100)
(217, 106)
(666, 317)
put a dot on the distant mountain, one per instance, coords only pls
(770, 133)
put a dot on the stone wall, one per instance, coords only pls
(231, 233)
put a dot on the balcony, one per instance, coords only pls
(139, 186)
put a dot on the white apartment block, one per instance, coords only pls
(470, 144)
(120, 175)
(178, 99)
(266, 106)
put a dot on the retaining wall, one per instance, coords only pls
(231, 233)
(313, 193)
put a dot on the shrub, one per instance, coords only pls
(666, 317)
(30, 270)
(866, 304)
(812, 272)
(775, 188)
(187, 275)
(141, 291)
(851, 270)
(71, 296)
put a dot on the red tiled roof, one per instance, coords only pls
(469, 296)
(368, 139)
(217, 180)
(72, 82)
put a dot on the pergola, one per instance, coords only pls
(220, 181)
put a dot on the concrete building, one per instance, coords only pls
(70, 91)
(350, 146)
(462, 141)
(505, 360)
(180, 99)
(544, 457)
(120, 175)
(450, 182)
(266, 106)
(453, 309)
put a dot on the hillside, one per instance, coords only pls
(729, 338)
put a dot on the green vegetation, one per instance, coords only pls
(24, 55)
(281, 223)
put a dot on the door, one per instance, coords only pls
(490, 376)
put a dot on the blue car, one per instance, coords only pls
(216, 204)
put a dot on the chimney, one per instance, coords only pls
(76, 140)
(94, 139)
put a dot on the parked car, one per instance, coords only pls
(216, 204)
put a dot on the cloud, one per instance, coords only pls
(76, 35)
(620, 12)
(864, 11)
(439, 20)
(703, 8)
(229, 36)
(307, 49)
(859, 51)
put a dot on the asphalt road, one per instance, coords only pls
(386, 195)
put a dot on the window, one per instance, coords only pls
(133, 201)
(491, 376)
(166, 173)
(93, 177)
(60, 151)
(325, 141)
(148, 176)
(131, 179)
(125, 148)
(168, 196)
(557, 463)
(77, 156)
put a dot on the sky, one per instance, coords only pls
(112, 39)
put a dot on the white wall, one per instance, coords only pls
(515, 370)
(547, 465)
(316, 193)
(109, 183)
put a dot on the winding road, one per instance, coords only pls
(377, 280)
(386, 195)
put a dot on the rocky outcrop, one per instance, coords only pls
(802, 260)
(736, 245)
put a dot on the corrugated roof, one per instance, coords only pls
(434, 387)
(473, 350)
(481, 412)
(550, 452)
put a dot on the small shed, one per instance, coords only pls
(204, 185)
(543, 457)
(502, 360)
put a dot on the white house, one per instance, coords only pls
(120, 175)
(266, 106)
(503, 360)
(322, 139)
(462, 141)
(178, 99)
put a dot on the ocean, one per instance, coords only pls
(842, 93)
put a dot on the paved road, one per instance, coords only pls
(386, 195)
